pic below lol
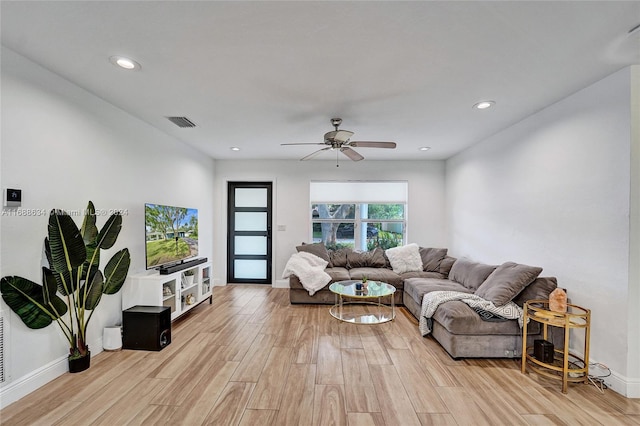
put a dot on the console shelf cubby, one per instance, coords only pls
(180, 291)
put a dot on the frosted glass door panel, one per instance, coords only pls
(251, 245)
(251, 197)
(251, 221)
(249, 255)
(250, 269)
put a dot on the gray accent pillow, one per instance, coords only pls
(506, 282)
(431, 258)
(446, 264)
(372, 259)
(539, 289)
(470, 274)
(317, 249)
(339, 258)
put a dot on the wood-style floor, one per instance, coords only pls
(253, 359)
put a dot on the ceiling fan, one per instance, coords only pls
(339, 140)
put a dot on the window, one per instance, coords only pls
(358, 215)
(358, 226)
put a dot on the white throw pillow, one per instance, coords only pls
(405, 258)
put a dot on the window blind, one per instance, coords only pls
(358, 192)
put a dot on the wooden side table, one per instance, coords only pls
(564, 366)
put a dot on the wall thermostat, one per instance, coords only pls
(12, 197)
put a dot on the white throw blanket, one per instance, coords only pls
(309, 268)
(431, 301)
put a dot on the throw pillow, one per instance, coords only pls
(446, 264)
(371, 259)
(538, 289)
(405, 258)
(339, 258)
(431, 258)
(470, 274)
(506, 282)
(318, 249)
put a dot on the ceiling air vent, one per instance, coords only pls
(181, 121)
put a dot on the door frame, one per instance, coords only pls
(231, 209)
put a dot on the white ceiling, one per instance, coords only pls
(258, 74)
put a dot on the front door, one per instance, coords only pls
(249, 232)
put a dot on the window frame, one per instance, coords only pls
(358, 221)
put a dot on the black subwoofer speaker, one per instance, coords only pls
(146, 328)
(543, 351)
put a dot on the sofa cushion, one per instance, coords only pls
(338, 258)
(539, 289)
(421, 274)
(458, 318)
(377, 274)
(506, 281)
(372, 259)
(317, 249)
(431, 258)
(405, 258)
(416, 288)
(470, 274)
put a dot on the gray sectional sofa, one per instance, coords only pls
(346, 264)
(458, 328)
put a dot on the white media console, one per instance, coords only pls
(180, 291)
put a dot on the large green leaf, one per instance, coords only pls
(93, 291)
(89, 229)
(49, 286)
(67, 281)
(116, 271)
(26, 299)
(93, 259)
(47, 252)
(109, 232)
(66, 285)
(67, 247)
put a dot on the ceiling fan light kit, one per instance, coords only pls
(340, 140)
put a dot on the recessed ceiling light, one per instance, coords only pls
(234, 148)
(126, 63)
(484, 104)
(425, 148)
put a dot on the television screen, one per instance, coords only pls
(171, 234)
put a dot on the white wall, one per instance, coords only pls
(63, 146)
(553, 191)
(425, 216)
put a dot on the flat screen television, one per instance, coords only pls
(171, 234)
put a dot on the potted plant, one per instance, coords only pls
(73, 256)
(189, 276)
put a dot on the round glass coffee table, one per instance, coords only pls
(363, 306)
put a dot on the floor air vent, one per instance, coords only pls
(181, 121)
(1, 348)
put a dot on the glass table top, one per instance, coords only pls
(373, 289)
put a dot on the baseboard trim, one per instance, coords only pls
(280, 284)
(618, 383)
(23, 386)
(625, 386)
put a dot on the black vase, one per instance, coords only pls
(77, 365)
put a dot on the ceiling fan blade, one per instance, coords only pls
(351, 154)
(313, 154)
(370, 144)
(304, 143)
